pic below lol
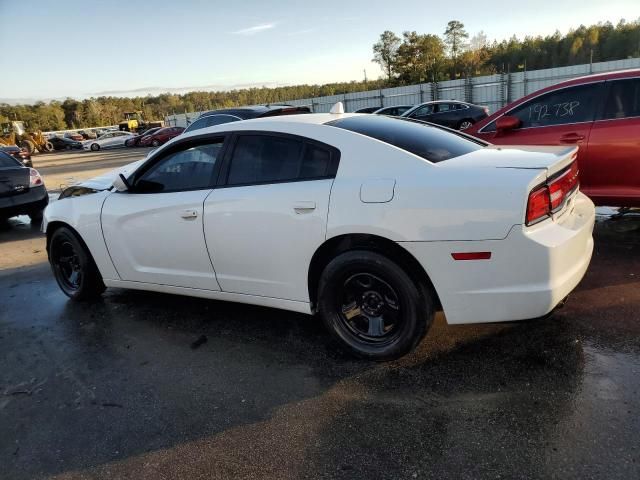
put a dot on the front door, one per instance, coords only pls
(154, 232)
(264, 225)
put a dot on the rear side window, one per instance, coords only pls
(270, 158)
(623, 100)
(568, 105)
(429, 142)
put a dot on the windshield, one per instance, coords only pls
(429, 142)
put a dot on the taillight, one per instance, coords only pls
(34, 178)
(547, 199)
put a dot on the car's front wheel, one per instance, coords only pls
(372, 307)
(95, 147)
(465, 124)
(73, 267)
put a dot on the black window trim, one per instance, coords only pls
(223, 177)
(186, 144)
(609, 83)
(597, 109)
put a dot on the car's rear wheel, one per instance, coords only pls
(95, 147)
(73, 267)
(155, 143)
(372, 307)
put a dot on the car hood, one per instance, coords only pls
(105, 181)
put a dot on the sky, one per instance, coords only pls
(80, 49)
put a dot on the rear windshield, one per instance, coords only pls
(7, 161)
(429, 142)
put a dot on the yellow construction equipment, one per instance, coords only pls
(15, 133)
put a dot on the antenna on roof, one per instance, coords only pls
(337, 109)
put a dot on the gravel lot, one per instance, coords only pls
(118, 389)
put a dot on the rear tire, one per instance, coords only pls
(155, 143)
(73, 267)
(371, 306)
(36, 216)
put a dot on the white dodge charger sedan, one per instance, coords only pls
(371, 221)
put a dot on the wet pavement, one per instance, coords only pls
(119, 389)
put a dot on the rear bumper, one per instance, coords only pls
(529, 272)
(35, 199)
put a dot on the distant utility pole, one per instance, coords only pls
(365, 75)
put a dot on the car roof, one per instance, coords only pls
(253, 111)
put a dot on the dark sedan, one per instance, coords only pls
(22, 190)
(135, 140)
(160, 136)
(448, 113)
(227, 115)
(62, 143)
(19, 153)
(394, 111)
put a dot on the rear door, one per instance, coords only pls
(265, 222)
(613, 176)
(560, 117)
(446, 115)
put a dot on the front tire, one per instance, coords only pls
(465, 124)
(73, 267)
(95, 147)
(372, 307)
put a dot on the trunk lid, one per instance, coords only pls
(13, 181)
(552, 159)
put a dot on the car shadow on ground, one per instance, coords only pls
(264, 375)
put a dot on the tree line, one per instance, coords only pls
(407, 59)
(415, 57)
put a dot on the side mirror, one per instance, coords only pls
(121, 184)
(506, 123)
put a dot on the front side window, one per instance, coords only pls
(422, 111)
(568, 105)
(269, 158)
(623, 100)
(189, 169)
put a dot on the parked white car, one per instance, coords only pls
(372, 221)
(108, 140)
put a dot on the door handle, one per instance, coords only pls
(304, 207)
(188, 214)
(572, 138)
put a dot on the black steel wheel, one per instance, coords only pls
(72, 265)
(372, 306)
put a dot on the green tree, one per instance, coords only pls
(454, 37)
(385, 52)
